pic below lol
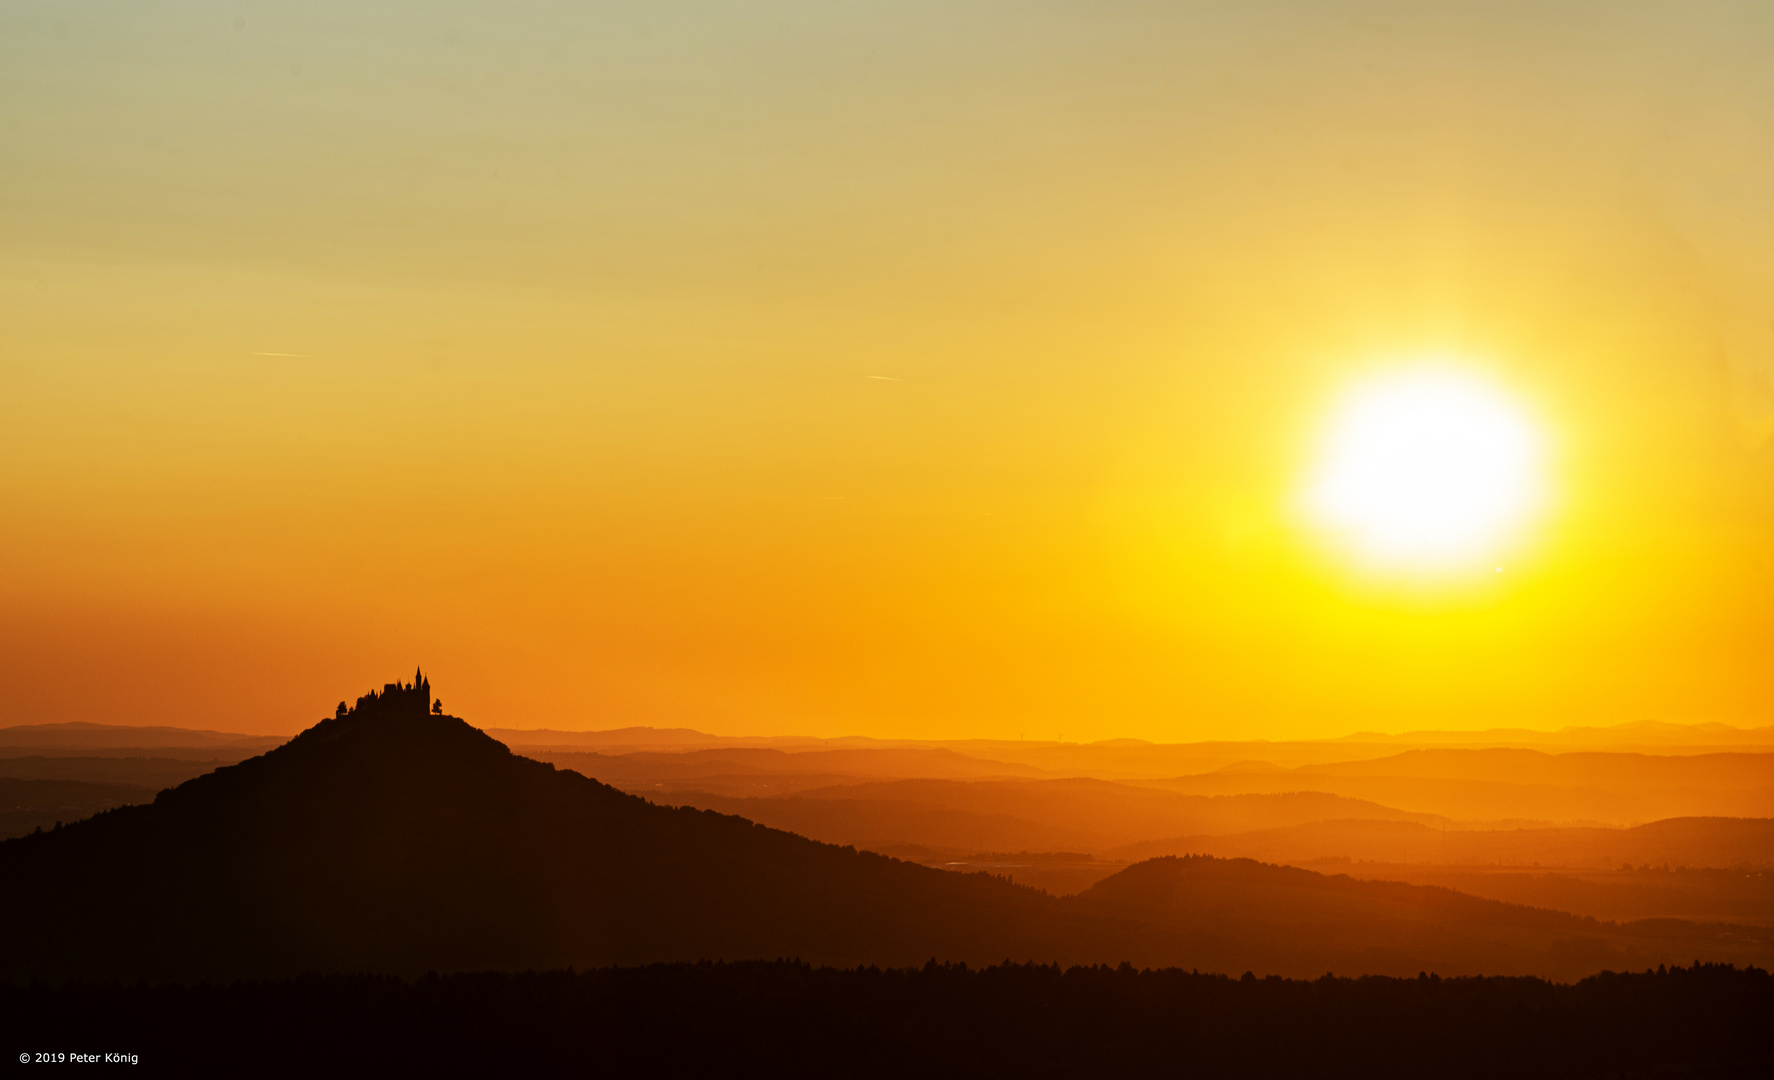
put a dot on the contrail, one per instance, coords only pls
(301, 355)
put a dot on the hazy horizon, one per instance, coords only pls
(1625, 729)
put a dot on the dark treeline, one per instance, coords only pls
(786, 1018)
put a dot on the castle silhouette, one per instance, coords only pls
(396, 697)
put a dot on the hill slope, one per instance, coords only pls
(392, 840)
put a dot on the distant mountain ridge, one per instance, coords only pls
(1641, 736)
(1741, 843)
(79, 735)
(64, 772)
(1647, 733)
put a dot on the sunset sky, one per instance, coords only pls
(912, 370)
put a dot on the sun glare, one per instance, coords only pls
(1426, 470)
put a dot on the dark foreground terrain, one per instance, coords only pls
(785, 1018)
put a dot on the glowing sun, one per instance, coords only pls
(1426, 469)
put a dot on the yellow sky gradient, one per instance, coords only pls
(931, 370)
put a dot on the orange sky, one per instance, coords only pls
(926, 370)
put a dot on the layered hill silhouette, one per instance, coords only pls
(65, 772)
(1079, 814)
(1718, 842)
(83, 738)
(392, 839)
(27, 804)
(1238, 912)
(1504, 783)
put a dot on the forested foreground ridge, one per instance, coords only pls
(791, 1019)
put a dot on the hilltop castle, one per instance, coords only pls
(413, 697)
